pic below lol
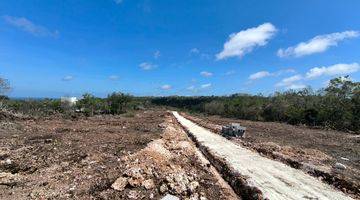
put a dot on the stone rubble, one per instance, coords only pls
(153, 169)
(340, 166)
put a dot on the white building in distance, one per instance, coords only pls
(68, 101)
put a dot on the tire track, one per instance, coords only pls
(253, 176)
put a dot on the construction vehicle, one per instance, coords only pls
(233, 130)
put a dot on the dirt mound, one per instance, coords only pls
(58, 158)
(9, 116)
(169, 165)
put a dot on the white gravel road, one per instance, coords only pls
(275, 179)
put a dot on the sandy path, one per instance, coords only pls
(274, 179)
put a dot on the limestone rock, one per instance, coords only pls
(133, 194)
(148, 184)
(8, 179)
(120, 184)
(163, 188)
(192, 186)
(170, 197)
(340, 166)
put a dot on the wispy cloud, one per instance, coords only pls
(157, 54)
(296, 81)
(317, 44)
(296, 86)
(204, 86)
(338, 69)
(230, 72)
(114, 77)
(166, 87)
(245, 41)
(290, 81)
(68, 78)
(196, 89)
(147, 66)
(194, 51)
(284, 71)
(28, 26)
(206, 74)
(263, 74)
(259, 75)
(205, 56)
(118, 1)
(191, 87)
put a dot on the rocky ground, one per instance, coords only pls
(332, 156)
(173, 165)
(141, 156)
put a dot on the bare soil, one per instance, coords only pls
(314, 150)
(81, 158)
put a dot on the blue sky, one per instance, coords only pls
(166, 47)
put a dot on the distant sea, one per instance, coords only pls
(31, 98)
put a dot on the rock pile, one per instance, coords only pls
(158, 170)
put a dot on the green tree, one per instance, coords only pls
(117, 102)
(88, 104)
(339, 102)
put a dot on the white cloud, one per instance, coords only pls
(204, 86)
(194, 51)
(166, 87)
(147, 66)
(245, 41)
(206, 74)
(284, 71)
(296, 86)
(292, 79)
(317, 44)
(289, 82)
(68, 78)
(263, 74)
(191, 88)
(114, 77)
(157, 54)
(259, 75)
(28, 26)
(118, 1)
(338, 69)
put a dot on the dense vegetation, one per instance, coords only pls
(336, 106)
(115, 103)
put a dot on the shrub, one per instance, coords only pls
(117, 102)
(336, 106)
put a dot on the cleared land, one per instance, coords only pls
(143, 155)
(147, 155)
(274, 179)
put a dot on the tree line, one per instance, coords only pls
(336, 106)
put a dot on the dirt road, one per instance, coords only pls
(274, 179)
